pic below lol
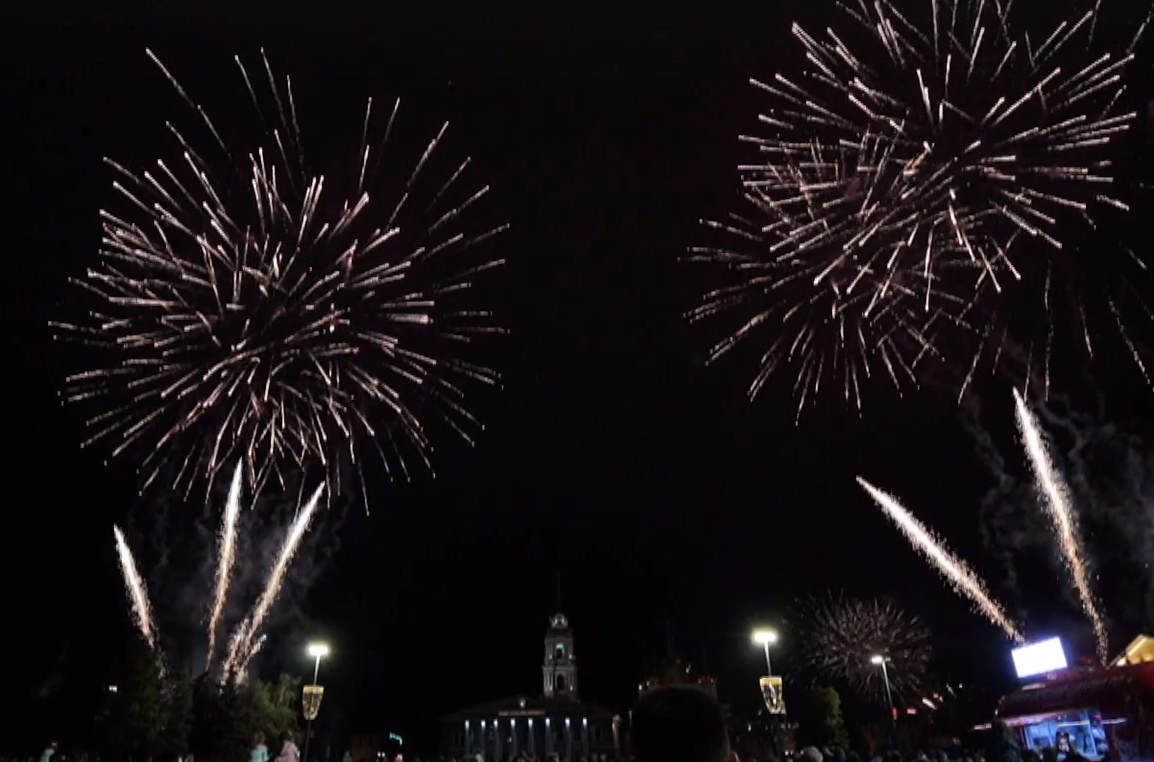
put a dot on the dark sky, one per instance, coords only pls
(665, 499)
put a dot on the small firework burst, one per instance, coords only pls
(841, 637)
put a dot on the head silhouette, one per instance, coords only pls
(679, 723)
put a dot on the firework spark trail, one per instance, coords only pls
(226, 558)
(242, 648)
(1062, 519)
(242, 673)
(137, 591)
(952, 568)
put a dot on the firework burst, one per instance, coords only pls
(250, 307)
(989, 139)
(815, 269)
(842, 636)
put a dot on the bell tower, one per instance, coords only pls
(560, 667)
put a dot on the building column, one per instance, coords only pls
(585, 736)
(548, 736)
(531, 745)
(498, 741)
(569, 739)
(516, 741)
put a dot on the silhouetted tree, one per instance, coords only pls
(135, 720)
(226, 717)
(1001, 746)
(817, 711)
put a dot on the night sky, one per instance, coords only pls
(669, 505)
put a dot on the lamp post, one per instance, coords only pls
(880, 661)
(318, 651)
(765, 638)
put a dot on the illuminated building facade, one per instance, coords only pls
(555, 723)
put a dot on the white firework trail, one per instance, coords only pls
(243, 647)
(242, 673)
(226, 558)
(963, 579)
(136, 589)
(1063, 520)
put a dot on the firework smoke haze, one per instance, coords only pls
(956, 572)
(988, 138)
(136, 589)
(226, 558)
(251, 307)
(1052, 489)
(243, 646)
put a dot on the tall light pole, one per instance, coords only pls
(880, 660)
(765, 638)
(318, 651)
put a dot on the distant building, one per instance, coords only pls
(554, 723)
(674, 671)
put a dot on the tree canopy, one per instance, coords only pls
(158, 712)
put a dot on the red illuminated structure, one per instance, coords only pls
(1100, 713)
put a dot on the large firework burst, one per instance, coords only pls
(251, 308)
(811, 259)
(990, 139)
(841, 636)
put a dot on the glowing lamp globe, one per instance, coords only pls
(764, 637)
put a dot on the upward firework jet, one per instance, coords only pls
(952, 568)
(250, 306)
(247, 641)
(1062, 518)
(842, 636)
(244, 644)
(137, 591)
(990, 138)
(226, 559)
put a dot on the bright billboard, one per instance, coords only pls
(1040, 658)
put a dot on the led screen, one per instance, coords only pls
(1040, 658)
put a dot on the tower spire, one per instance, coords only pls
(558, 609)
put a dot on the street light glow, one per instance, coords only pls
(318, 650)
(764, 637)
(877, 659)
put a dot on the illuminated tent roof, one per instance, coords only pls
(1107, 689)
(1140, 651)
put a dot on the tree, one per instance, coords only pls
(135, 720)
(165, 714)
(1001, 746)
(817, 711)
(227, 717)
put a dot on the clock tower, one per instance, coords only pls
(560, 667)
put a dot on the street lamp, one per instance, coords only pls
(312, 702)
(318, 651)
(880, 660)
(765, 638)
